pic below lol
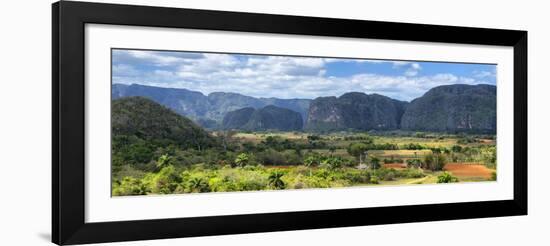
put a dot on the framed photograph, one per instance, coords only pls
(175, 122)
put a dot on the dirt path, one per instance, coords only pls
(420, 180)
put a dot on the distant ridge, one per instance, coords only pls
(267, 118)
(355, 110)
(447, 108)
(201, 108)
(453, 108)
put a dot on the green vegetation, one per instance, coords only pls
(446, 178)
(282, 160)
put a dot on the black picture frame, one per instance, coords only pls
(68, 122)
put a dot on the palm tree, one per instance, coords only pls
(375, 163)
(197, 184)
(241, 160)
(332, 163)
(163, 161)
(276, 181)
(311, 161)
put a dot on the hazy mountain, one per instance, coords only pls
(238, 118)
(453, 108)
(355, 110)
(266, 118)
(205, 109)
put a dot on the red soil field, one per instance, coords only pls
(469, 170)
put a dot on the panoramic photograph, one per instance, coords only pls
(199, 122)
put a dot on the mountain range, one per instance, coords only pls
(447, 108)
(207, 110)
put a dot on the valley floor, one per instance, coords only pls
(252, 161)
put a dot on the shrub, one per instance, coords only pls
(198, 184)
(389, 176)
(456, 148)
(446, 178)
(375, 163)
(332, 163)
(374, 180)
(392, 160)
(434, 162)
(164, 182)
(414, 163)
(251, 180)
(271, 157)
(413, 146)
(412, 173)
(129, 186)
(312, 160)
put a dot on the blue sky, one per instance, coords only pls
(291, 77)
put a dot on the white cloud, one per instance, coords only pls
(485, 74)
(271, 76)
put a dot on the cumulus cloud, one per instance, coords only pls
(271, 76)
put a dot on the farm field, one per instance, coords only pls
(469, 171)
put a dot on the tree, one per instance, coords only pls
(275, 180)
(226, 137)
(332, 149)
(198, 184)
(242, 159)
(310, 161)
(298, 150)
(414, 163)
(358, 150)
(332, 163)
(435, 162)
(312, 138)
(374, 163)
(428, 161)
(164, 161)
(456, 148)
(439, 162)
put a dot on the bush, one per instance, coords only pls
(251, 180)
(390, 176)
(332, 163)
(434, 162)
(392, 160)
(164, 182)
(375, 163)
(414, 163)
(242, 160)
(129, 186)
(374, 180)
(412, 173)
(271, 157)
(446, 178)
(413, 146)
